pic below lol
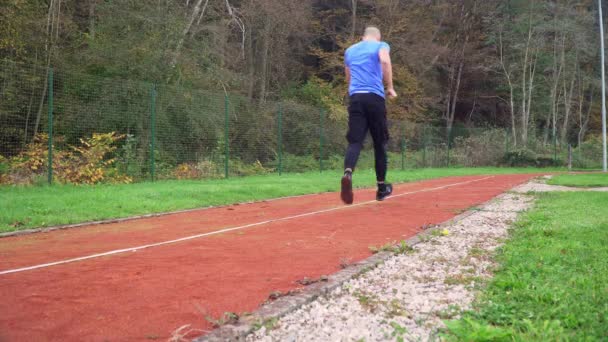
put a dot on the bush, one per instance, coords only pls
(203, 169)
(89, 164)
(85, 164)
(479, 149)
(525, 157)
(239, 168)
(519, 157)
(589, 153)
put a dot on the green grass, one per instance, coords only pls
(39, 206)
(553, 281)
(581, 180)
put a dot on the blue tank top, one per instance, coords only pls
(365, 69)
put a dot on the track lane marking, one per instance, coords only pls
(226, 230)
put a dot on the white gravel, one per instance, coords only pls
(410, 294)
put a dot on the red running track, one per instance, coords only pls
(146, 294)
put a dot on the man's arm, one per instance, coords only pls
(387, 71)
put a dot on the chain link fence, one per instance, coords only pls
(51, 120)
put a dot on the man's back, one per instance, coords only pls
(365, 68)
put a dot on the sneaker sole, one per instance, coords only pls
(347, 190)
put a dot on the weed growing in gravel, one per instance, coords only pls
(394, 309)
(268, 324)
(460, 279)
(425, 237)
(367, 300)
(393, 247)
(398, 331)
(450, 312)
(477, 252)
(227, 318)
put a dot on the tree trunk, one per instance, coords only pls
(251, 65)
(48, 47)
(353, 20)
(92, 4)
(182, 38)
(567, 109)
(511, 89)
(450, 121)
(525, 111)
(264, 62)
(584, 121)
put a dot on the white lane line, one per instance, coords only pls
(226, 230)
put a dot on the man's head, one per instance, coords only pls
(372, 33)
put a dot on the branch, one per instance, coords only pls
(239, 22)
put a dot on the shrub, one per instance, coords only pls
(127, 161)
(294, 163)
(208, 169)
(85, 164)
(589, 153)
(479, 149)
(519, 157)
(239, 168)
(185, 171)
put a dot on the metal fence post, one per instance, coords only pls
(448, 146)
(226, 136)
(153, 133)
(321, 117)
(50, 128)
(280, 138)
(424, 146)
(403, 145)
(569, 157)
(554, 148)
(506, 141)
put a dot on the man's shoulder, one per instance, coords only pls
(353, 47)
(369, 45)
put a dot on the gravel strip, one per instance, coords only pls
(409, 295)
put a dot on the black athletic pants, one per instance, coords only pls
(367, 111)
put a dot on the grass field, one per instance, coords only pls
(553, 281)
(40, 206)
(581, 180)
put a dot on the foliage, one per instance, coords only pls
(85, 164)
(481, 147)
(520, 157)
(89, 163)
(587, 155)
(203, 169)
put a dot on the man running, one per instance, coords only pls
(367, 65)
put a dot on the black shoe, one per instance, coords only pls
(347, 188)
(384, 191)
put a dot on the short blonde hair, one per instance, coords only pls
(372, 31)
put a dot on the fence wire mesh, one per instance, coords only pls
(57, 124)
